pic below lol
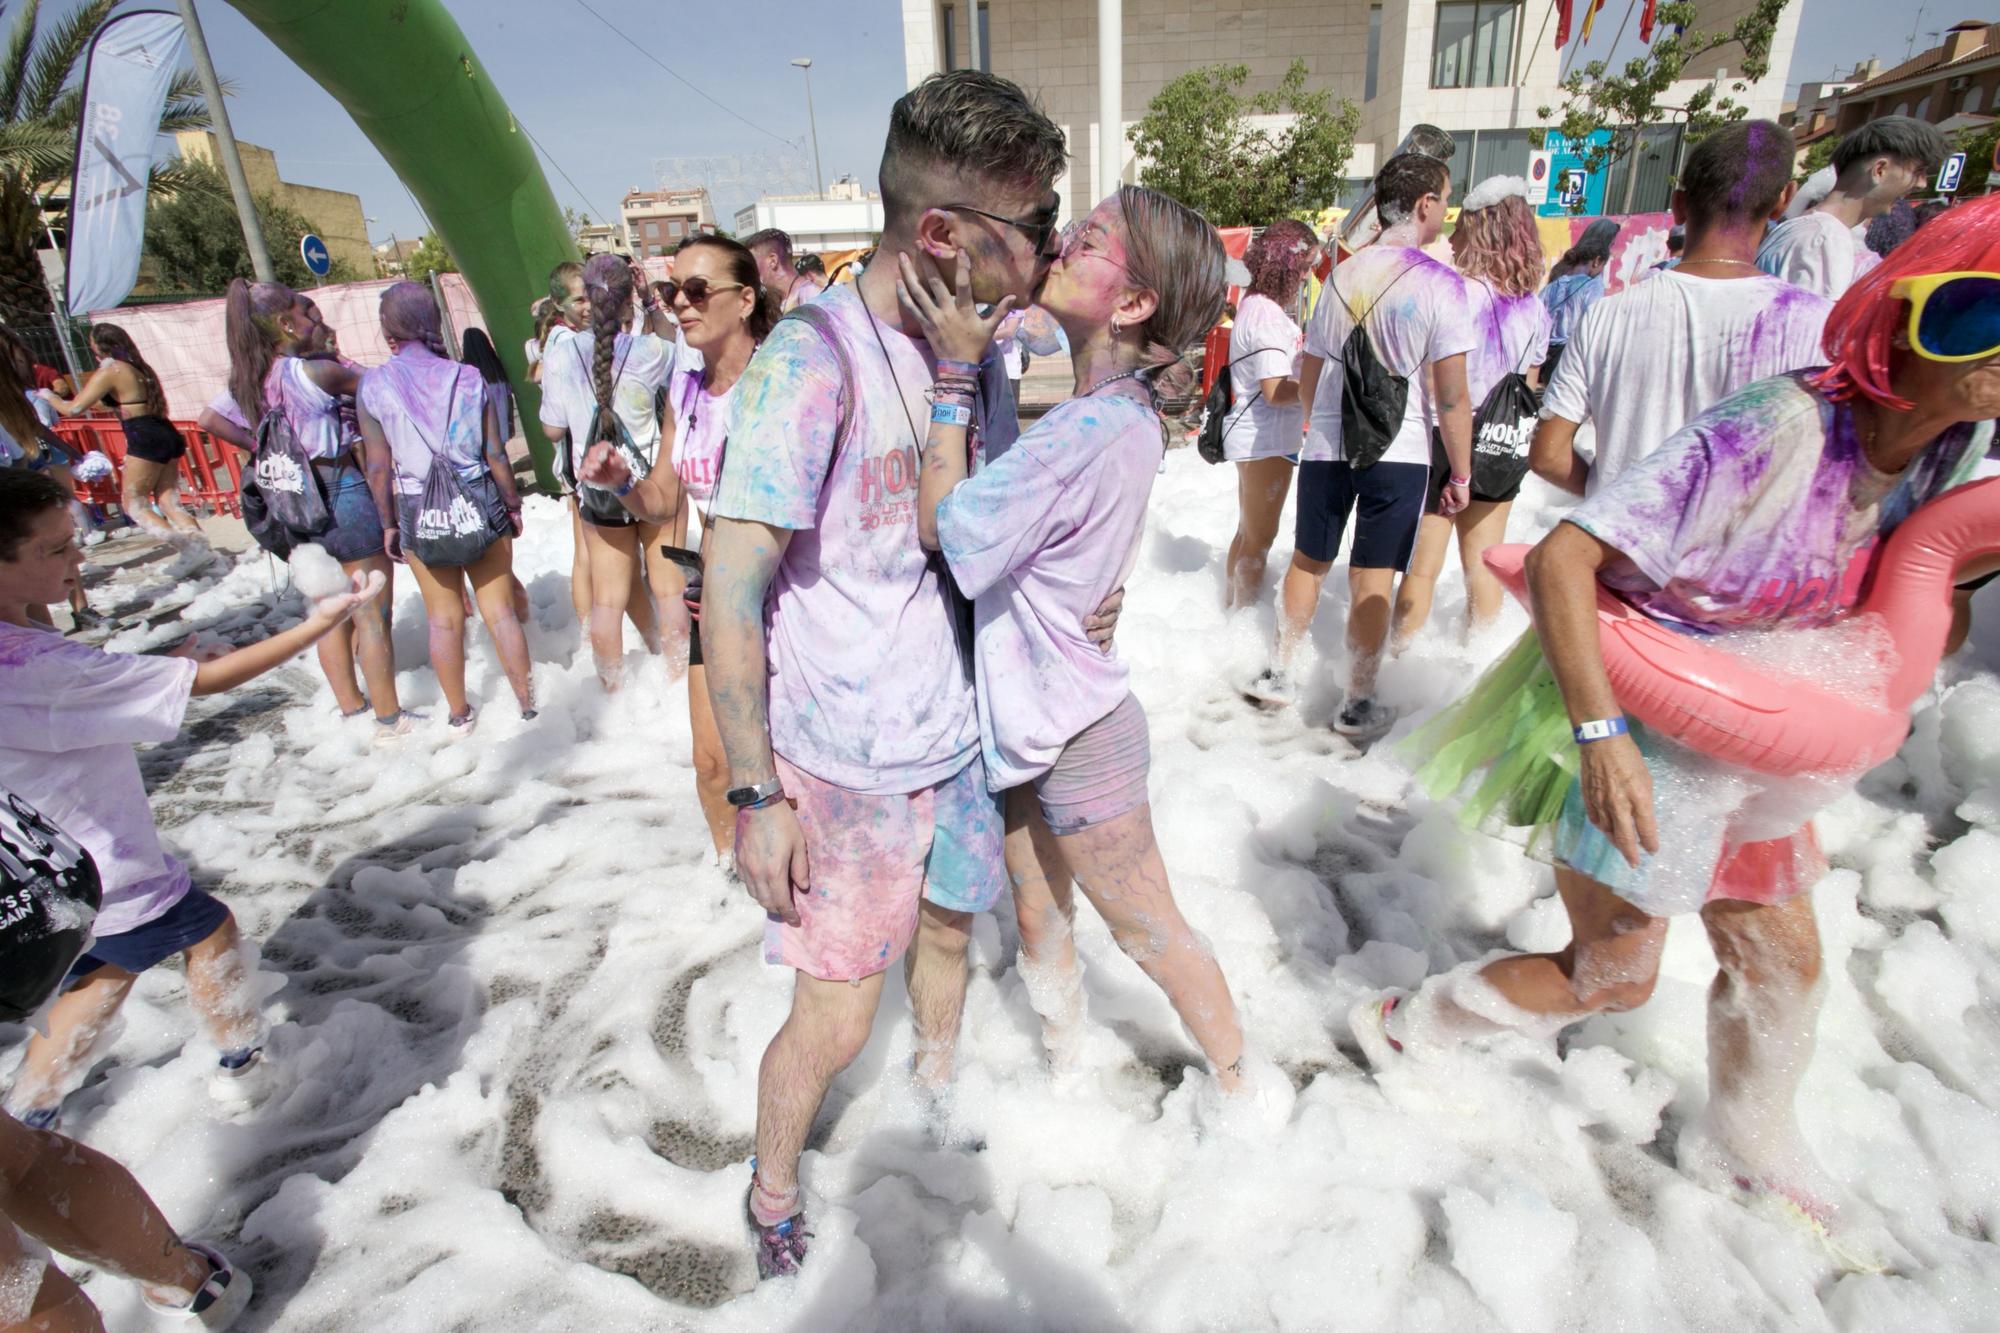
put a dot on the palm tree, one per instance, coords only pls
(41, 96)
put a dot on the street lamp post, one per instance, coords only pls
(395, 247)
(819, 182)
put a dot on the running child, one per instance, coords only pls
(69, 717)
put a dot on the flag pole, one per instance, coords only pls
(225, 147)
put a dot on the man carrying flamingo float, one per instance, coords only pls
(1624, 724)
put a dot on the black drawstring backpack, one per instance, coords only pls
(1372, 398)
(49, 896)
(1219, 403)
(451, 529)
(1504, 427)
(284, 503)
(597, 503)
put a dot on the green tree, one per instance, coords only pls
(1594, 98)
(40, 100)
(196, 240)
(429, 257)
(1977, 143)
(1817, 156)
(1198, 143)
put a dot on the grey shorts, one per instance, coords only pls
(1100, 774)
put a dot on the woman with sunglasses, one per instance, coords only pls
(720, 304)
(1037, 536)
(1760, 514)
(603, 388)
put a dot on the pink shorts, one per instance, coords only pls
(871, 859)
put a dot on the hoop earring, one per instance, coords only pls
(1116, 327)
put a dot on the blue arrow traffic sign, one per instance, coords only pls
(313, 250)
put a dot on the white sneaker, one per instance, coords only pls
(1271, 688)
(219, 1299)
(243, 1086)
(390, 730)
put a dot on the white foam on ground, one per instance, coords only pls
(517, 1054)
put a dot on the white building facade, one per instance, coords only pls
(1478, 68)
(845, 218)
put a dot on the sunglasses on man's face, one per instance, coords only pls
(1040, 228)
(696, 291)
(1953, 316)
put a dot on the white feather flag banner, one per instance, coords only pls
(125, 82)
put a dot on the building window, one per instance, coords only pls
(1374, 52)
(676, 228)
(1475, 44)
(1972, 101)
(652, 230)
(1923, 111)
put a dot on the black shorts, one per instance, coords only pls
(1387, 502)
(187, 923)
(690, 563)
(153, 439)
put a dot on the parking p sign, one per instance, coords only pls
(1953, 172)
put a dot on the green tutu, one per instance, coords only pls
(1513, 729)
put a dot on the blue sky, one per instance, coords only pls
(606, 111)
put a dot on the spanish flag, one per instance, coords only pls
(1590, 16)
(1563, 8)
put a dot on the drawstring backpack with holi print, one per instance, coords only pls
(1503, 428)
(451, 528)
(284, 503)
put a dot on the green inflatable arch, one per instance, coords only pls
(411, 81)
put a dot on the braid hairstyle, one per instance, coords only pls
(607, 280)
(113, 342)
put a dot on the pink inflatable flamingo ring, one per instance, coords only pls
(1726, 706)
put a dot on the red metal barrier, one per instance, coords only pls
(210, 472)
(1214, 356)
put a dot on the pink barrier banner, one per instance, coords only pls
(186, 347)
